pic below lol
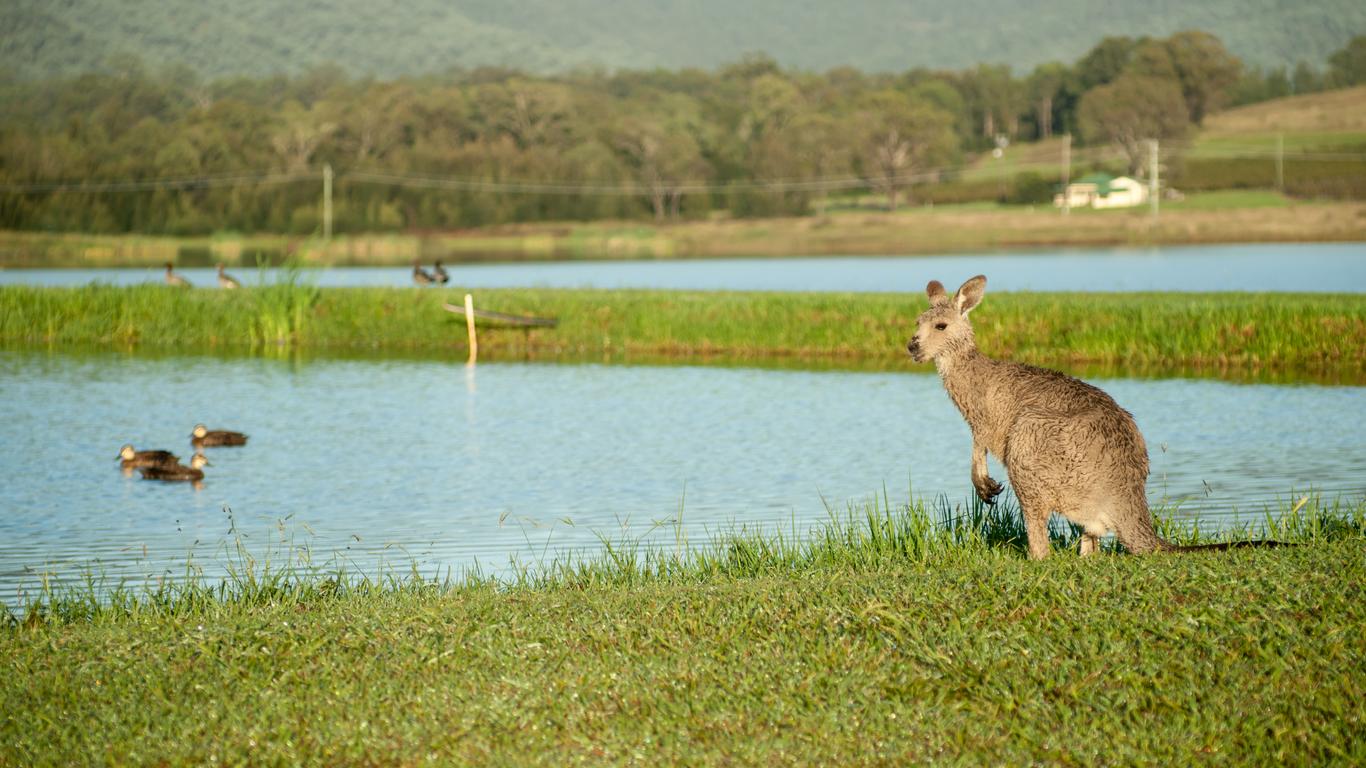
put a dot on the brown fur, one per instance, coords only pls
(1066, 445)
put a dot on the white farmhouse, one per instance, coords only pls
(1099, 190)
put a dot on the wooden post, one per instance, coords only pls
(469, 324)
(1066, 173)
(1154, 184)
(1280, 163)
(327, 201)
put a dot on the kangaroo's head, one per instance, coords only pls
(944, 329)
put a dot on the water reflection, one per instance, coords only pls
(391, 459)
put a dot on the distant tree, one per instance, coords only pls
(1205, 69)
(300, 135)
(1105, 62)
(994, 98)
(1255, 86)
(751, 66)
(1347, 67)
(1152, 58)
(1131, 110)
(1045, 86)
(822, 145)
(1305, 79)
(371, 122)
(773, 101)
(902, 136)
(665, 158)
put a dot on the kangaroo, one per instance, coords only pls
(1066, 445)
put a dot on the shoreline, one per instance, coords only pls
(884, 637)
(926, 230)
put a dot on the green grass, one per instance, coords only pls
(1236, 336)
(1229, 199)
(885, 637)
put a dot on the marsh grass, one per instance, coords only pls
(1236, 335)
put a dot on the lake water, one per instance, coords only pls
(1312, 267)
(425, 461)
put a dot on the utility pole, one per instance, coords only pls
(1280, 163)
(1066, 172)
(327, 201)
(1153, 186)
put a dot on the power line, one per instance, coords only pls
(479, 185)
(146, 185)
(627, 189)
(634, 188)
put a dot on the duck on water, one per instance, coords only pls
(178, 472)
(129, 458)
(202, 437)
(176, 280)
(227, 281)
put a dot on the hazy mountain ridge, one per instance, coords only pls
(258, 37)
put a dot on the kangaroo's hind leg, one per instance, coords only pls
(1090, 545)
(1035, 512)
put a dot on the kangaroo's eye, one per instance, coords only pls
(940, 326)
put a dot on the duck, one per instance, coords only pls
(439, 273)
(132, 459)
(178, 472)
(420, 275)
(203, 436)
(173, 279)
(226, 280)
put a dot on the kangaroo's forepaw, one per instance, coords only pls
(988, 490)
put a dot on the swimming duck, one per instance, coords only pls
(132, 459)
(439, 273)
(203, 436)
(173, 279)
(178, 472)
(420, 275)
(226, 280)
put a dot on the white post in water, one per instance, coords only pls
(469, 323)
(327, 201)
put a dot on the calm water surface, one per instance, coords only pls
(1312, 267)
(402, 461)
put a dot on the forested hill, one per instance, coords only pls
(259, 37)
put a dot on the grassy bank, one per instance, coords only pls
(887, 637)
(1233, 335)
(938, 229)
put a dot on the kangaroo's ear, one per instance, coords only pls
(970, 293)
(935, 290)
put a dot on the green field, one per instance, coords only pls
(885, 637)
(1237, 336)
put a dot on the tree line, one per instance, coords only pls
(750, 138)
